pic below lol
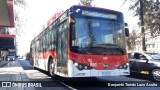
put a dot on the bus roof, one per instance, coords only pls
(58, 14)
(96, 8)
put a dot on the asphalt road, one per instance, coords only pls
(136, 82)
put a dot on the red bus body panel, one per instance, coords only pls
(113, 61)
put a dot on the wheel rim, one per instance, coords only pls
(156, 74)
(51, 68)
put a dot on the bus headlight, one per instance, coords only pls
(76, 64)
(80, 66)
(125, 66)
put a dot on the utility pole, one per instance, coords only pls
(142, 25)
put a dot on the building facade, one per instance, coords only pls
(152, 43)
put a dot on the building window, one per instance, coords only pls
(149, 45)
(153, 45)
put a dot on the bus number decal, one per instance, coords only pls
(93, 64)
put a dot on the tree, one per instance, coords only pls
(152, 17)
(149, 15)
(131, 41)
(18, 4)
(151, 9)
(18, 25)
(86, 2)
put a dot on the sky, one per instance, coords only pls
(38, 12)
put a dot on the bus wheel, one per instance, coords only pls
(51, 68)
(156, 74)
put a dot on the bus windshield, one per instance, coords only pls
(98, 36)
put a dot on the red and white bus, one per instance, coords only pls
(83, 42)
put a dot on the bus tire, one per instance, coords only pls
(51, 68)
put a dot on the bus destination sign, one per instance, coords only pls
(98, 14)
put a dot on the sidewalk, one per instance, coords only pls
(3, 63)
(12, 71)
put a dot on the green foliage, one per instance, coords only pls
(131, 41)
(151, 13)
(86, 2)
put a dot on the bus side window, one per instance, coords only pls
(53, 39)
(43, 43)
(47, 41)
(50, 42)
(39, 46)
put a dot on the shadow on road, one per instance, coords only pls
(140, 76)
(3, 63)
(25, 64)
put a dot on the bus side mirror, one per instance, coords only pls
(127, 32)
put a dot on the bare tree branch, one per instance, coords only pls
(86, 2)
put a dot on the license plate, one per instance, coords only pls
(106, 73)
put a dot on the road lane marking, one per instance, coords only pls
(66, 85)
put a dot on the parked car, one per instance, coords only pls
(145, 63)
(11, 57)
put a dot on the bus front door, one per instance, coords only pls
(62, 50)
